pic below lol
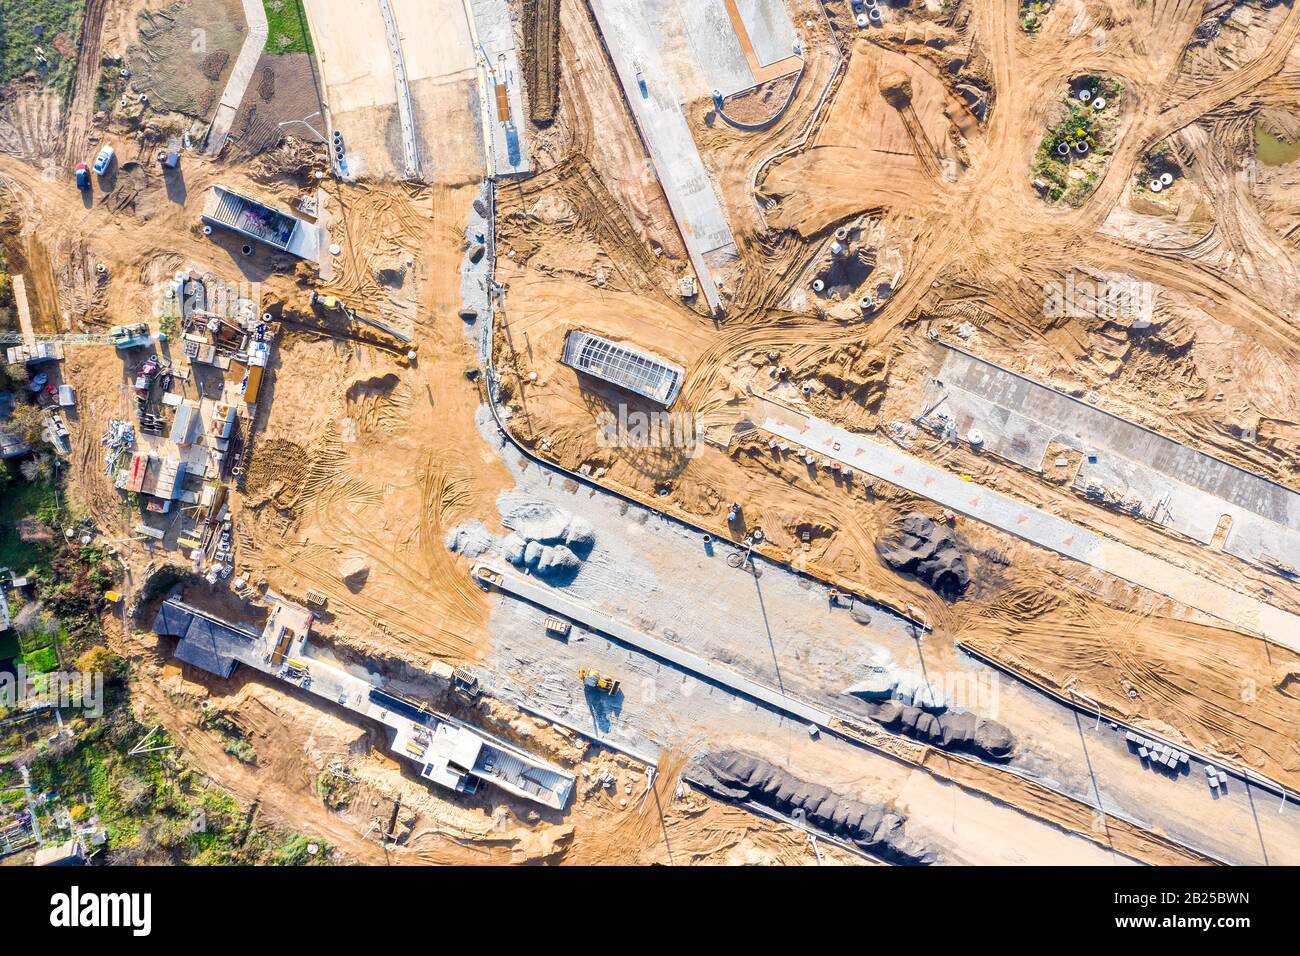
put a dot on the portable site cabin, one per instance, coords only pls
(185, 424)
(223, 421)
(154, 477)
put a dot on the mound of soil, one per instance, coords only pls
(950, 730)
(737, 776)
(930, 551)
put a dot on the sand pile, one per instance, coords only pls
(354, 570)
(896, 88)
(732, 775)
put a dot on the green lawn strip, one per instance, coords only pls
(286, 23)
(20, 499)
(41, 661)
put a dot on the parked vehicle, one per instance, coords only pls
(103, 160)
(83, 176)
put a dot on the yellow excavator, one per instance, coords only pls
(598, 681)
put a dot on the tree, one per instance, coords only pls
(28, 423)
(99, 660)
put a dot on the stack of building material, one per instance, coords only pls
(118, 439)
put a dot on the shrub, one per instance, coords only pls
(42, 660)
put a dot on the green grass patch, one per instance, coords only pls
(41, 661)
(1272, 150)
(155, 809)
(111, 84)
(52, 25)
(35, 639)
(1033, 13)
(20, 499)
(286, 23)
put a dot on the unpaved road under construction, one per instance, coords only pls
(1033, 524)
(647, 573)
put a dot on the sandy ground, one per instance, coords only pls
(364, 454)
(1218, 360)
(361, 95)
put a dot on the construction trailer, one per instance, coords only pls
(159, 479)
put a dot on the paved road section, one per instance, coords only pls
(630, 31)
(240, 76)
(1163, 480)
(504, 130)
(550, 598)
(1031, 524)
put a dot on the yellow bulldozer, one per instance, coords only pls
(598, 681)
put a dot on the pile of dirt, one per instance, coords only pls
(931, 552)
(542, 58)
(951, 730)
(844, 273)
(547, 541)
(896, 88)
(856, 374)
(733, 775)
(354, 570)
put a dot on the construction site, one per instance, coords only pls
(714, 432)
